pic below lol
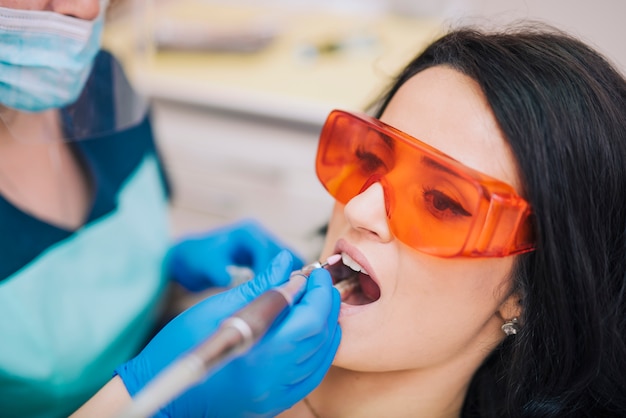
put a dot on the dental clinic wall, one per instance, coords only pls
(228, 159)
(599, 23)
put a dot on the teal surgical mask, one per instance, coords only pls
(45, 57)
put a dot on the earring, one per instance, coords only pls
(510, 327)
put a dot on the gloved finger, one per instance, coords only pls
(309, 353)
(261, 246)
(190, 264)
(251, 246)
(275, 274)
(299, 369)
(262, 258)
(306, 326)
(293, 345)
(322, 362)
(309, 377)
(308, 317)
(298, 261)
(305, 329)
(227, 303)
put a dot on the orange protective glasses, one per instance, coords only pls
(434, 203)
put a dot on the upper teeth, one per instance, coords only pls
(348, 261)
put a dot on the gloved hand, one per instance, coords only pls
(200, 262)
(286, 365)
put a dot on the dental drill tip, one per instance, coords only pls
(333, 259)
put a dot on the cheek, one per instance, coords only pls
(433, 312)
(455, 290)
(454, 302)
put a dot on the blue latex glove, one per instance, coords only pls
(203, 261)
(286, 365)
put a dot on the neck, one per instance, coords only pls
(424, 387)
(409, 393)
(29, 128)
(437, 390)
(38, 172)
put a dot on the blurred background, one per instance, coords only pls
(241, 88)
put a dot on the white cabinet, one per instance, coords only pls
(226, 166)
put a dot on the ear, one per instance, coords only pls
(511, 307)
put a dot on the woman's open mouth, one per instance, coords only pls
(355, 285)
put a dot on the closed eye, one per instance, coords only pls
(443, 206)
(369, 161)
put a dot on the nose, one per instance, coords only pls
(366, 213)
(81, 9)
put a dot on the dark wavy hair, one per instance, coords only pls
(562, 108)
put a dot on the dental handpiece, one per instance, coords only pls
(236, 335)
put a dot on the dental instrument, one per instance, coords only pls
(236, 335)
(345, 287)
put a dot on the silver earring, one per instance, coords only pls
(510, 327)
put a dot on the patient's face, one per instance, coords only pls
(428, 312)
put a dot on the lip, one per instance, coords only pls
(342, 246)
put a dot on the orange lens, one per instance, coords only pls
(434, 203)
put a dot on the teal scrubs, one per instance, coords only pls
(76, 304)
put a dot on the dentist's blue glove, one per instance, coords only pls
(286, 365)
(203, 261)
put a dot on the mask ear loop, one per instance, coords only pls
(7, 116)
(11, 119)
(25, 131)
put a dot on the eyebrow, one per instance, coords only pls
(427, 161)
(387, 140)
